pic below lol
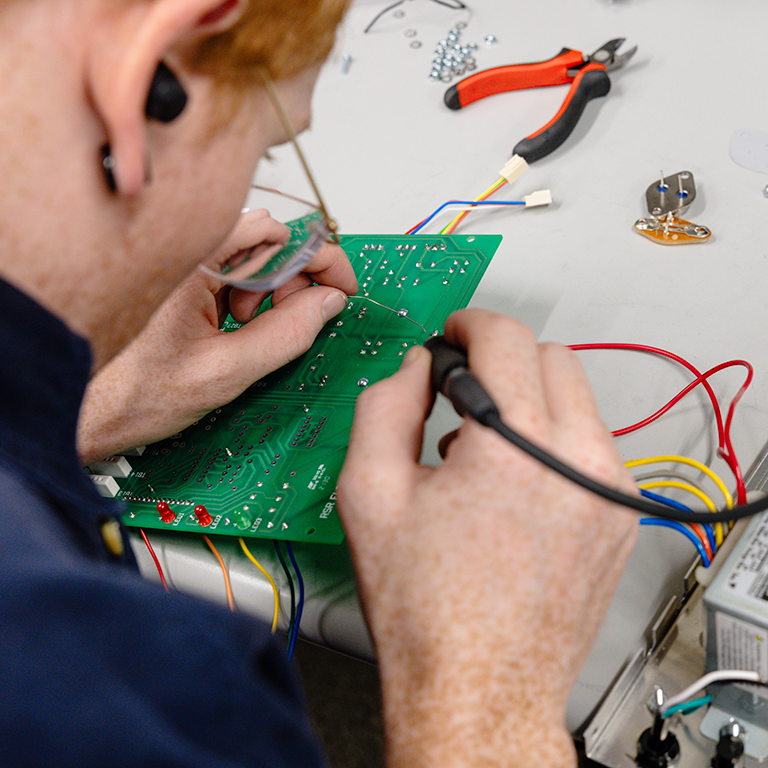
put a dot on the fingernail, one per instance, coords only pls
(412, 355)
(333, 304)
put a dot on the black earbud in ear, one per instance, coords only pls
(167, 98)
(165, 102)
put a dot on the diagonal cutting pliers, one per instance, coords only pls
(587, 74)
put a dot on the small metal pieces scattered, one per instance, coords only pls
(451, 58)
(667, 198)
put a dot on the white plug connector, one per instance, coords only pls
(542, 197)
(514, 168)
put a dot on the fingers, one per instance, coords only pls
(541, 390)
(445, 442)
(243, 305)
(252, 229)
(330, 266)
(566, 387)
(385, 444)
(288, 330)
(504, 355)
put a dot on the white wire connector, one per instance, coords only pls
(721, 675)
(542, 197)
(514, 168)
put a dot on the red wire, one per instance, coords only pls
(154, 557)
(725, 446)
(702, 536)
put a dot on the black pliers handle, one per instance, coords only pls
(588, 76)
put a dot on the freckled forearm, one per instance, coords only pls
(461, 718)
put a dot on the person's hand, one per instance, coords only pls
(483, 580)
(182, 366)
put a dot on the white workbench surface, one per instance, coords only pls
(386, 152)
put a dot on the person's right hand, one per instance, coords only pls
(484, 580)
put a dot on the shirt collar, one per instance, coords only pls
(44, 370)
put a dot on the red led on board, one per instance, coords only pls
(167, 515)
(203, 516)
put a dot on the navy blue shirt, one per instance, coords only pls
(97, 666)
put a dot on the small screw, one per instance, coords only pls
(415, 43)
(765, 191)
(346, 60)
(491, 40)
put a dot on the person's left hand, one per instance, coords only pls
(182, 365)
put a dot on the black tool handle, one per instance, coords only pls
(591, 83)
(451, 376)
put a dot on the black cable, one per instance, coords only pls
(611, 494)
(451, 377)
(458, 6)
(289, 578)
(379, 15)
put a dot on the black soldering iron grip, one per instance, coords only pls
(588, 84)
(451, 377)
(445, 358)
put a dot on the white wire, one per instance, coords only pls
(721, 675)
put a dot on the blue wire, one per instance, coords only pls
(679, 527)
(464, 202)
(300, 608)
(289, 579)
(677, 505)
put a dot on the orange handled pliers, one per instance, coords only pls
(588, 76)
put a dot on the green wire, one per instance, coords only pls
(687, 707)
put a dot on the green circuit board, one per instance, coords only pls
(266, 465)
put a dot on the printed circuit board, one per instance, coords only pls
(266, 465)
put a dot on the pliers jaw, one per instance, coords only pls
(607, 56)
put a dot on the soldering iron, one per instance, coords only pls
(451, 376)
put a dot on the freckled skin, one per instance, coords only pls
(484, 581)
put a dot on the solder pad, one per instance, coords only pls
(266, 465)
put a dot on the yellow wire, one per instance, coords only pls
(691, 463)
(718, 527)
(682, 486)
(269, 579)
(719, 531)
(227, 583)
(447, 230)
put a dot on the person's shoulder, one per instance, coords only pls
(94, 656)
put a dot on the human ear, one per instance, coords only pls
(128, 81)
